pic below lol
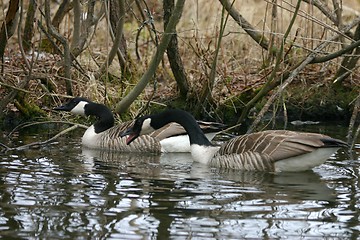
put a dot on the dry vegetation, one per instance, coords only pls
(236, 70)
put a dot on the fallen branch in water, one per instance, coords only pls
(40, 143)
(29, 124)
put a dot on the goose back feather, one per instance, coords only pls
(270, 150)
(110, 139)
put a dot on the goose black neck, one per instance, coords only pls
(186, 120)
(104, 115)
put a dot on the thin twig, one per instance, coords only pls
(29, 124)
(351, 136)
(248, 28)
(323, 8)
(13, 87)
(278, 60)
(331, 56)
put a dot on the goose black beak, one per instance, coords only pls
(131, 135)
(60, 108)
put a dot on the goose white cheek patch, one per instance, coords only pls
(146, 127)
(79, 108)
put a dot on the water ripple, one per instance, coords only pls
(64, 191)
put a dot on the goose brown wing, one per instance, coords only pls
(174, 129)
(116, 130)
(111, 139)
(276, 144)
(169, 130)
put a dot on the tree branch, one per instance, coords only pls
(174, 57)
(323, 8)
(116, 43)
(249, 29)
(297, 70)
(40, 143)
(67, 54)
(125, 103)
(270, 81)
(331, 56)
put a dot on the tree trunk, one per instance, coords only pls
(174, 57)
(117, 11)
(29, 25)
(125, 103)
(8, 27)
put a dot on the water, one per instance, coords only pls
(62, 191)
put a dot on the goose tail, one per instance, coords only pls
(332, 142)
(210, 127)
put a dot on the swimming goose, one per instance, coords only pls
(272, 150)
(104, 135)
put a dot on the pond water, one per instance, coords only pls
(61, 191)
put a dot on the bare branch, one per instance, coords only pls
(296, 71)
(323, 8)
(253, 33)
(352, 135)
(174, 57)
(117, 41)
(64, 8)
(339, 53)
(40, 143)
(125, 103)
(67, 55)
(8, 26)
(77, 24)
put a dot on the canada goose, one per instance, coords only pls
(272, 150)
(104, 135)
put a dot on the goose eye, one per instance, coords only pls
(137, 125)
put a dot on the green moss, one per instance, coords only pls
(230, 110)
(47, 46)
(323, 102)
(318, 102)
(29, 110)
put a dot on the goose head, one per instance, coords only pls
(142, 126)
(84, 107)
(202, 150)
(150, 123)
(76, 105)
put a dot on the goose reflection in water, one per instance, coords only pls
(140, 163)
(291, 186)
